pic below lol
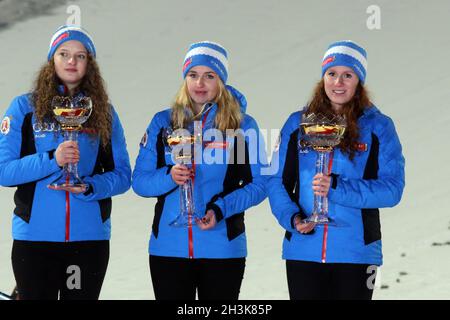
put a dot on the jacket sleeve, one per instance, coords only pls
(17, 166)
(151, 179)
(387, 188)
(116, 178)
(283, 207)
(254, 192)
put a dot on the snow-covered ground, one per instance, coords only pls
(275, 50)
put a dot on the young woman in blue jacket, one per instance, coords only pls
(61, 237)
(366, 172)
(208, 256)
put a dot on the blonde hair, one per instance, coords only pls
(228, 114)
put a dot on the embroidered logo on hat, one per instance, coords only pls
(328, 60)
(187, 63)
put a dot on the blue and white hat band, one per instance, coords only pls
(209, 54)
(346, 53)
(211, 45)
(67, 33)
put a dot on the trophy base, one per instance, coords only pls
(184, 220)
(320, 220)
(69, 183)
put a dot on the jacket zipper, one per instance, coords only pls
(67, 233)
(67, 238)
(190, 231)
(324, 243)
(325, 229)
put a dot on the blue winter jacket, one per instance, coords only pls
(227, 188)
(374, 179)
(27, 162)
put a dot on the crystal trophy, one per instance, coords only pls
(182, 144)
(70, 113)
(322, 133)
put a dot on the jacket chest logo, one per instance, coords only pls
(303, 148)
(361, 147)
(5, 126)
(45, 127)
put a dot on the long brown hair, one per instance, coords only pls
(228, 114)
(352, 110)
(92, 85)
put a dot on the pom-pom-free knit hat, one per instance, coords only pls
(209, 54)
(346, 53)
(67, 33)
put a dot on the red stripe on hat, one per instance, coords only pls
(187, 63)
(328, 60)
(63, 36)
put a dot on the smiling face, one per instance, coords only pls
(70, 63)
(203, 86)
(340, 85)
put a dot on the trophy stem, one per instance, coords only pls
(321, 202)
(71, 168)
(70, 135)
(320, 211)
(187, 216)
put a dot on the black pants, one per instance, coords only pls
(329, 281)
(74, 270)
(212, 279)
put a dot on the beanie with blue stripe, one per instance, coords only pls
(346, 53)
(70, 32)
(209, 54)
